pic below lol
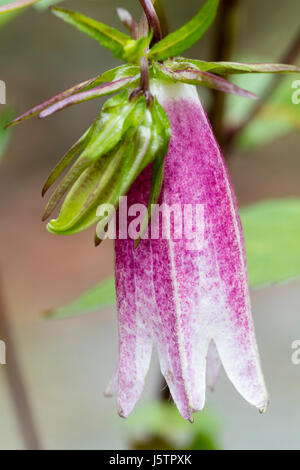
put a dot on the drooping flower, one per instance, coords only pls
(183, 300)
(153, 143)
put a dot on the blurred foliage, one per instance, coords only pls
(278, 116)
(5, 117)
(272, 233)
(101, 295)
(158, 426)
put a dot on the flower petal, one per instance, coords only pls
(196, 174)
(136, 303)
(213, 366)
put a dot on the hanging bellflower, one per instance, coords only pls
(153, 143)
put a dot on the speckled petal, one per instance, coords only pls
(196, 174)
(193, 303)
(135, 304)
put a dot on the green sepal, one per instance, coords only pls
(145, 139)
(192, 76)
(95, 186)
(72, 153)
(134, 50)
(108, 37)
(107, 131)
(182, 39)
(108, 177)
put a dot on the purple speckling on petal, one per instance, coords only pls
(179, 299)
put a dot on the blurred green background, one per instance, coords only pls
(67, 364)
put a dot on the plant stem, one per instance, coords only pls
(288, 57)
(15, 382)
(153, 19)
(223, 48)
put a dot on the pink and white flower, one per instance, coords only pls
(194, 306)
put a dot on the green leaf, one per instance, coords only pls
(228, 68)
(197, 77)
(272, 235)
(8, 7)
(108, 37)
(110, 75)
(177, 42)
(102, 295)
(161, 422)
(95, 93)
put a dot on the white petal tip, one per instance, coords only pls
(263, 409)
(122, 414)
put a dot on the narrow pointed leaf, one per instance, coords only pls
(102, 90)
(99, 296)
(45, 104)
(177, 42)
(206, 79)
(227, 68)
(108, 37)
(111, 75)
(17, 5)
